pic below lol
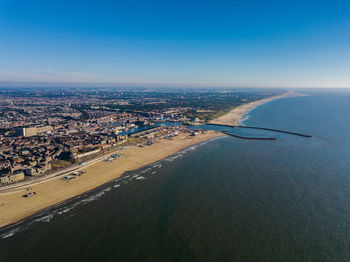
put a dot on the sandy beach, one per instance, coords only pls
(14, 207)
(235, 116)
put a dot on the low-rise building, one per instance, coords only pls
(16, 177)
(11, 178)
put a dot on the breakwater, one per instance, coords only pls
(261, 128)
(275, 130)
(249, 137)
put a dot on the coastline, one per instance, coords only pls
(235, 116)
(14, 207)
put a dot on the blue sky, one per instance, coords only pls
(177, 43)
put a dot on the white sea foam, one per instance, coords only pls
(96, 196)
(244, 118)
(172, 158)
(158, 165)
(10, 234)
(191, 148)
(46, 218)
(65, 210)
(84, 199)
(146, 170)
(247, 115)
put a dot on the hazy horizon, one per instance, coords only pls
(150, 86)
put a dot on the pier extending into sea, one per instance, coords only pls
(259, 128)
(275, 130)
(248, 137)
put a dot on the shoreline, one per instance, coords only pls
(15, 208)
(236, 115)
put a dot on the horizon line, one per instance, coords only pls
(28, 84)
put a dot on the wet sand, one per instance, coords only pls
(235, 116)
(14, 207)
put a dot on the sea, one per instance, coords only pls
(226, 199)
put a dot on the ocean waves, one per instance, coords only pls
(129, 177)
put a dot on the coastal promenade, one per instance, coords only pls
(14, 207)
(59, 173)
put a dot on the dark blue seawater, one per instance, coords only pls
(226, 199)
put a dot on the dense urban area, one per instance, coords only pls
(43, 130)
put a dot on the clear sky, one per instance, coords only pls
(177, 43)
